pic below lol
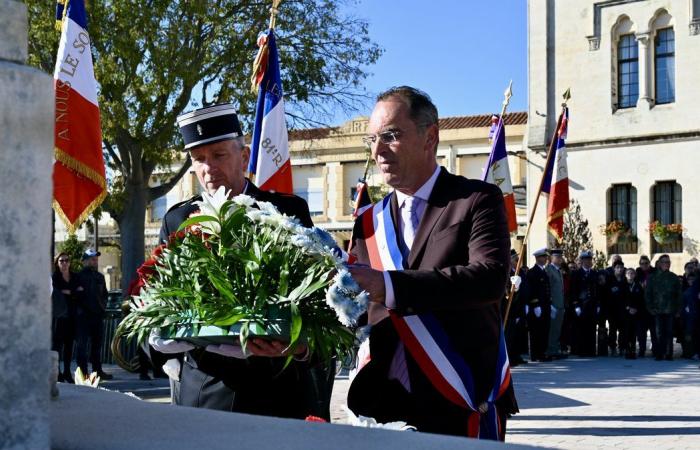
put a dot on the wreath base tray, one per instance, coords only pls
(204, 335)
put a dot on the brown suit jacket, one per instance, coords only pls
(457, 270)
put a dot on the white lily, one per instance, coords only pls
(369, 422)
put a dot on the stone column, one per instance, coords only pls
(26, 146)
(645, 100)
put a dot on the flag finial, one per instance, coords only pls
(507, 95)
(567, 96)
(273, 12)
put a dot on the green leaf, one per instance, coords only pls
(295, 329)
(197, 219)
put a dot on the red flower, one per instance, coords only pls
(315, 419)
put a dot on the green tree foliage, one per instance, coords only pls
(75, 250)
(155, 59)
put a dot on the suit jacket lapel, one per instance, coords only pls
(433, 210)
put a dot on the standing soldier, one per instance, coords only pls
(556, 284)
(516, 326)
(584, 300)
(539, 306)
(615, 309)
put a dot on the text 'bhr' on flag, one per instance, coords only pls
(269, 159)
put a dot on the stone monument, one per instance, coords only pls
(26, 145)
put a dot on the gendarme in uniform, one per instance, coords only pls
(256, 384)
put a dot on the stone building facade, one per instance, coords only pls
(634, 134)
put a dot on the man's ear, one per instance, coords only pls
(432, 138)
(245, 157)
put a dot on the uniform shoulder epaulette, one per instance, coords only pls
(196, 198)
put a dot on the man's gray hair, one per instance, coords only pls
(422, 110)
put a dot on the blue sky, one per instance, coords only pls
(462, 53)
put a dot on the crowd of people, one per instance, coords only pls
(565, 308)
(79, 300)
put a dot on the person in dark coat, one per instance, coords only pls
(453, 236)
(586, 306)
(632, 313)
(539, 303)
(223, 377)
(90, 316)
(66, 291)
(664, 300)
(615, 308)
(646, 320)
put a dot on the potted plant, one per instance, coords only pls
(665, 233)
(617, 232)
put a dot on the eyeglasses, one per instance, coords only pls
(385, 137)
(63, 260)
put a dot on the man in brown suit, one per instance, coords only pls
(453, 234)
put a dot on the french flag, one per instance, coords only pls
(79, 168)
(269, 158)
(556, 181)
(497, 171)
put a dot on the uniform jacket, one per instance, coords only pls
(556, 285)
(457, 270)
(584, 291)
(538, 291)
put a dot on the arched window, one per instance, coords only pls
(621, 229)
(625, 64)
(667, 209)
(627, 71)
(664, 66)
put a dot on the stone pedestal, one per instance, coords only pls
(26, 145)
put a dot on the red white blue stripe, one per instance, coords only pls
(556, 182)
(425, 339)
(269, 160)
(498, 172)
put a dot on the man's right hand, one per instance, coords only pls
(169, 346)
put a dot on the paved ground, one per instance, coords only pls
(571, 404)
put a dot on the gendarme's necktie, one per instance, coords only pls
(410, 221)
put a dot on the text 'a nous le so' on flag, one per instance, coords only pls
(79, 168)
(269, 158)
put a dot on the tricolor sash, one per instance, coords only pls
(426, 340)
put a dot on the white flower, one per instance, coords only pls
(268, 208)
(244, 200)
(301, 241)
(369, 422)
(254, 215)
(211, 204)
(345, 281)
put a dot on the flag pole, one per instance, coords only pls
(273, 13)
(550, 153)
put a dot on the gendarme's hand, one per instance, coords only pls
(371, 281)
(272, 349)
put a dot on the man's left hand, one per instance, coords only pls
(371, 281)
(271, 348)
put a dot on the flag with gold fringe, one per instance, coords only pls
(79, 169)
(556, 181)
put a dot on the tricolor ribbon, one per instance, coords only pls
(426, 340)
